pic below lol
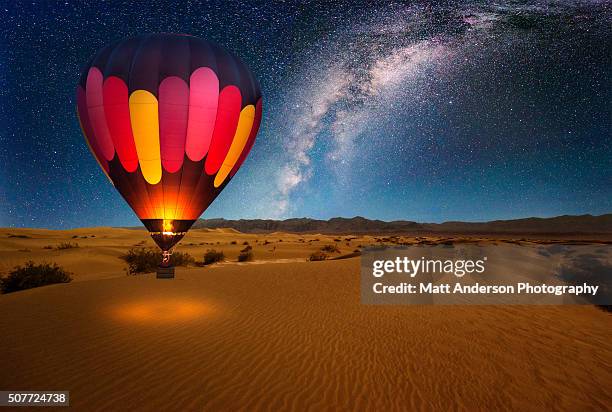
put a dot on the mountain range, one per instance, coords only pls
(556, 225)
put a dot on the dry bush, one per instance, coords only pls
(246, 255)
(142, 260)
(317, 256)
(19, 236)
(212, 256)
(67, 245)
(33, 275)
(181, 259)
(146, 260)
(330, 249)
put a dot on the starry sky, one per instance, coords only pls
(388, 110)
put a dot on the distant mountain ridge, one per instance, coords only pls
(358, 224)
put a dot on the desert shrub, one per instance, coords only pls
(212, 256)
(245, 243)
(245, 255)
(145, 260)
(316, 256)
(33, 275)
(48, 247)
(246, 249)
(266, 242)
(233, 242)
(75, 236)
(330, 249)
(181, 259)
(142, 260)
(19, 236)
(67, 245)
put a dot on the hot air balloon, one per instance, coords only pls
(170, 119)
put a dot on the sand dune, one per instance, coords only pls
(280, 335)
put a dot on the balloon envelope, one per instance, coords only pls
(170, 119)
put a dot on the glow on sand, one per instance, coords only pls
(165, 310)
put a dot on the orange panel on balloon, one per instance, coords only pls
(251, 140)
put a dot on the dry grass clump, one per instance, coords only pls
(141, 260)
(317, 256)
(12, 235)
(146, 260)
(212, 256)
(330, 249)
(67, 245)
(33, 275)
(181, 259)
(246, 254)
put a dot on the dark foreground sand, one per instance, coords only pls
(295, 337)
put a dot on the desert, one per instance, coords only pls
(280, 332)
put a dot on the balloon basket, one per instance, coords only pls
(165, 272)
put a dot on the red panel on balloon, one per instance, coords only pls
(173, 115)
(228, 114)
(97, 118)
(117, 111)
(203, 101)
(87, 129)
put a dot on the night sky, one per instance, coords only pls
(389, 111)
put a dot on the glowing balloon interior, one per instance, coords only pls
(170, 119)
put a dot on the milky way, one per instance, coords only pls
(390, 111)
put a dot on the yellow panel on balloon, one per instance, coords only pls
(245, 123)
(145, 126)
